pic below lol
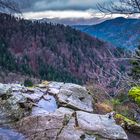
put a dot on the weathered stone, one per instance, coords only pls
(64, 110)
(53, 91)
(39, 111)
(45, 83)
(30, 89)
(41, 85)
(17, 87)
(76, 97)
(56, 85)
(100, 124)
(6, 134)
(44, 90)
(36, 96)
(42, 127)
(48, 103)
(4, 89)
(10, 109)
(71, 132)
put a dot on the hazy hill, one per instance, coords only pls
(121, 32)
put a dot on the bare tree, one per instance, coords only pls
(125, 7)
(9, 5)
(120, 7)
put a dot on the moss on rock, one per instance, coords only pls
(123, 119)
(134, 94)
(127, 124)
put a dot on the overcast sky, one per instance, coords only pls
(59, 8)
(41, 5)
(70, 11)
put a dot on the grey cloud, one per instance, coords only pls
(41, 5)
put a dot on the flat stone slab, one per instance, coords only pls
(76, 97)
(48, 103)
(71, 132)
(64, 110)
(7, 134)
(34, 96)
(56, 85)
(39, 111)
(53, 91)
(101, 125)
(41, 127)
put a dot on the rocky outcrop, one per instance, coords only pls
(68, 125)
(100, 124)
(52, 110)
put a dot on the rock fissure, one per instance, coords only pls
(76, 120)
(65, 122)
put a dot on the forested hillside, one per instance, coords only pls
(121, 32)
(57, 52)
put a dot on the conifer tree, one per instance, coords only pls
(136, 65)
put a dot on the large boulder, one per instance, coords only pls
(10, 107)
(70, 95)
(33, 94)
(54, 87)
(76, 97)
(44, 126)
(41, 127)
(71, 132)
(66, 124)
(100, 124)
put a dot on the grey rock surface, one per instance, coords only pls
(55, 111)
(101, 125)
(41, 127)
(76, 97)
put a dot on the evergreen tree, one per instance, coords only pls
(136, 65)
(7, 61)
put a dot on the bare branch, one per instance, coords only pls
(9, 5)
(127, 7)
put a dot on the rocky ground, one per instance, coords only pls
(54, 111)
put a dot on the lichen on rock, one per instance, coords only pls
(127, 123)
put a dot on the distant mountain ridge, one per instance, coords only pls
(73, 21)
(121, 32)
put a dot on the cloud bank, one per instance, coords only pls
(41, 5)
(70, 10)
